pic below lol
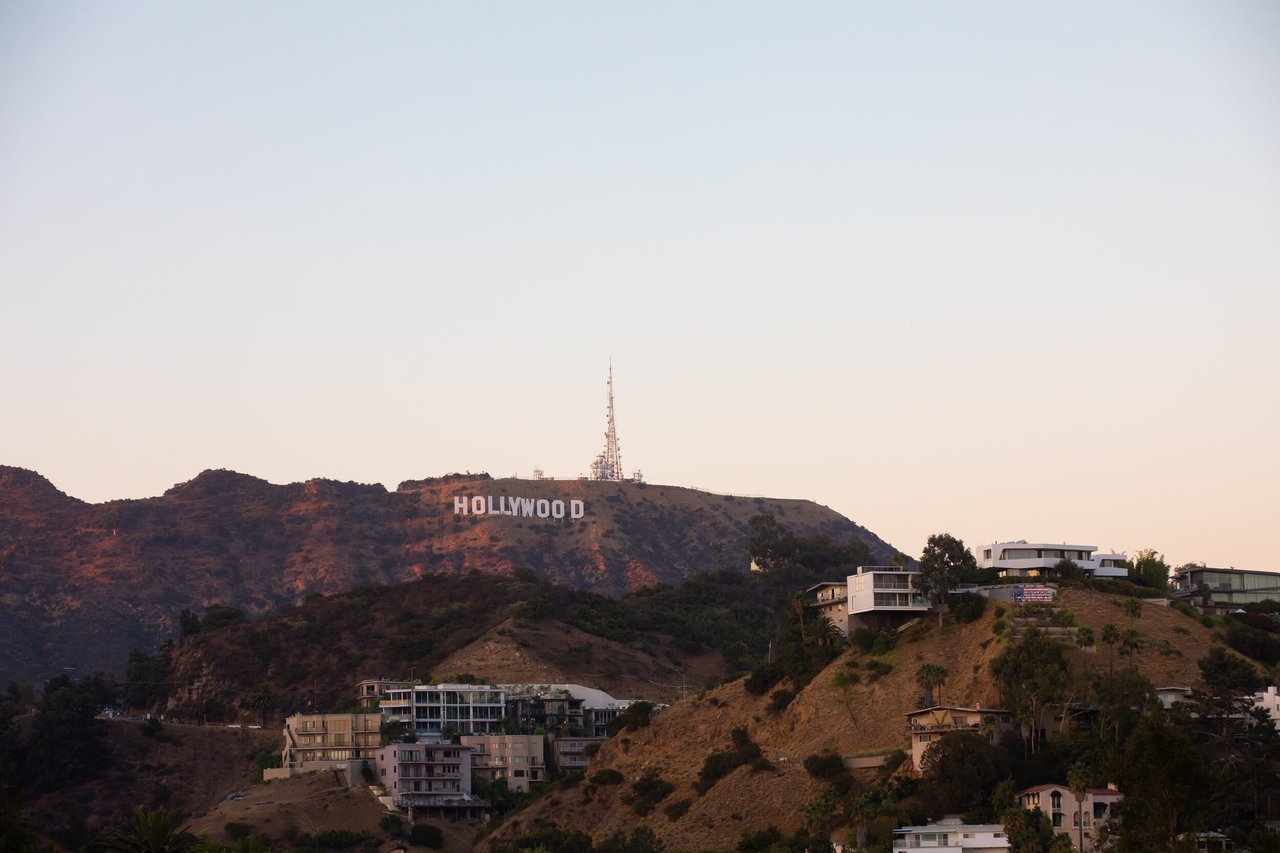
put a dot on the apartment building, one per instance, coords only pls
(519, 760)
(432, 777)
(372, 691)
(428, 710)
(326, 741)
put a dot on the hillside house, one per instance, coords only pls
(1223, 589)
(517, 759)
(1023, 559)
(952, 836)
(831, 599)
(372, 691)
(1269, 701)
(432, 777)
(325, 742)
(1059, 804)
(880, 592)
(598, 708)
(573, 753)
(928, 725)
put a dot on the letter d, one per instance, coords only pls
(577, 509)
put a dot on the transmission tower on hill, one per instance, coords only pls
(608, 465)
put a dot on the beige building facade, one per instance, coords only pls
(519, 760)
(326, 741)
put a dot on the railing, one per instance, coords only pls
(938, 727)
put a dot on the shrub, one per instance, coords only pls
(392, 825)
(677, 809)
(720, 764)
(762, 677)
(608, 776)
(862, 638)
(426, 835)
(779, 699)
(967, 607)
(999, 611)
(237, 830)
(824, 765)
(647, 792)
(885, 641)
(339, 839)
(876, 669)
(998, 626)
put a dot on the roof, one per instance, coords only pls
(826, 584)
(1039, 789)
(957, 708)
(953, 826)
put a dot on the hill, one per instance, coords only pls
(860, 719)
(313, 655)
(189, 770)
(81, 584)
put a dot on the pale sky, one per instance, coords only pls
(1008, 270)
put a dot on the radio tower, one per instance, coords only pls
(608, 465)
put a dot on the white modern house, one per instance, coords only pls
(952, 836)
(1023, 559)
(885, 589)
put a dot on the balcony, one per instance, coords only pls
(943, 727)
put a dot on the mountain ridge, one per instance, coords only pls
(82, 583)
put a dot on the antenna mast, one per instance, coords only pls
(608, 465)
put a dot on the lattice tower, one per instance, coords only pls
(608, 465)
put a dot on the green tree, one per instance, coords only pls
(962, 769)
(1032, 673)
(1065, 570)
(861, 810)
(1084, 637)
(931, 677)
(151, 831)
(1165, 780)
(67, 740)
(944, 559)
(1151, 567)
(188, 623)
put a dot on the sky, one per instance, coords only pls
(1006, 270)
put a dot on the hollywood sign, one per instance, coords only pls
(523, 507)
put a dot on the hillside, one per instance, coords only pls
(191, 769)
(859, 720)
(81, 584)
(313, 655)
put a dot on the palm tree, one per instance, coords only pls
(1132, 609)
(826, 633)
(151, 831)
(1078, 782)
(263, 700)
(800, 608)
(860, 811)
(931, 676)
(1084, 637)
(1130, 642)
(1110, 636)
